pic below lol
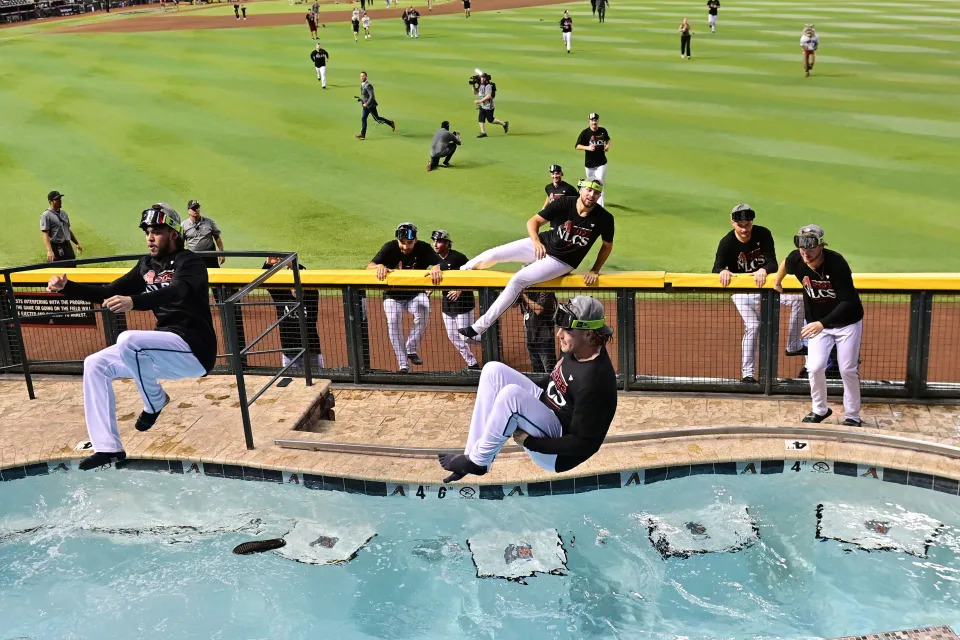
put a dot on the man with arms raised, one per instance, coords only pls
(561, 422)
(172, 282)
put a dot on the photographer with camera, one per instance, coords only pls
(486, 91)
(444, 145)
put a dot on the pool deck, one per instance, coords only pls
(203, 424)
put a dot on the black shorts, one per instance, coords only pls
(356, 27)
(485, 115)
(466, 4)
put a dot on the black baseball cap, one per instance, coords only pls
(406, 231)
(555, 168)
(193, 204)
(594, 116)
(53, 195)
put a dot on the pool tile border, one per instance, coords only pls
(565, 486)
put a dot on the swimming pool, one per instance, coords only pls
(120, 554)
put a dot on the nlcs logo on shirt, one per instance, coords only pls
(818, 289)
(156, 281)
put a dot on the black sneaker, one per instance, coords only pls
(468, 332)
(506, 126)
(816, 417)
(803, 373)
(802, 351)
(415, 359)
(474, 368)
(403, 370)
(748, 380)
(850, 422)
(100, 459)
(147, 419)
(482, 135)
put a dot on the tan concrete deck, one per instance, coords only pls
(203, 423)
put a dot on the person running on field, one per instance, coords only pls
(312, 25)
(686, 33)
(809, 43)
(566, 29)
(575, 224)
(320, 57)
(712, 7)
(368, 101)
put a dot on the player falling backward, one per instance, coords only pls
(172, 282)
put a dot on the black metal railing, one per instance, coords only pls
(22, 307)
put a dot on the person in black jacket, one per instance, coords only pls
(834, 318)
(560, 422)
(172, 282)
(749, 248)
(289, 327)
(457, 305)
(538, 308)
(319, 58)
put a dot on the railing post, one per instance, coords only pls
(490, 339)
(918, 343)
(302, 316)
(18, 335)
(352, 319)
(769, 338)
(627, 336)
(229, 311)
(6, 353)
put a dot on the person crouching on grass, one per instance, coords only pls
(561, 422)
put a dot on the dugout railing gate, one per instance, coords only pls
(673, 332)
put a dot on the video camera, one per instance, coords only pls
(474, 80)
(359, 99)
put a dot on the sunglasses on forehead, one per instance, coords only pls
(746, 215)
(153, 217)
(807, 242)
(564, 318)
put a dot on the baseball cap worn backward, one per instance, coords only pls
(588, 308)
(161, 213)
(743, 206)
(811, 230)
(53, 195)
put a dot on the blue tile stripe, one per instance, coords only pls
(627, 479)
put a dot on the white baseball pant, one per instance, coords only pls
(847, 340)
(415, 31)
(453, 324)
(322, 75)
(712, 19)
(748, 305)
(144, 356)
(508, 400)
(566, 39)
(600, 173)
(535, 272)
(419, 308)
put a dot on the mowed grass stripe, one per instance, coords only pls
(236, 118)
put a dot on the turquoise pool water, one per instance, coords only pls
(148, 555)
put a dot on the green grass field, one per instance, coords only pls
(867, 147)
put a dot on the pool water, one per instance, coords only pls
(121, 554)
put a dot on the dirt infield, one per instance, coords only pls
(227, 21)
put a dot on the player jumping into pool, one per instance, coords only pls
(562, 421)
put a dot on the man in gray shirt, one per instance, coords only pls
(368, 100)
(200, 234)
(55, 227)
(485, 95)
(443, 146)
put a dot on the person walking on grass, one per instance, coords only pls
(566, 29)
(320, 57)
(311, 24)
(686, 32)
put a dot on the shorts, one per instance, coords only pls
(356, 27)
(466, 4)
(808, 50)
(485, 115)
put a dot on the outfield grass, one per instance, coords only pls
(866, 147)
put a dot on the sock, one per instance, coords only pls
(460, 465)
(101, 458)
(147, 419)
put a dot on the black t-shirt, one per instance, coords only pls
(829, 296)
(465, 302)
(714, 5)
(390, 256)
(175, 288)
(598, 158)
(310, 20)
(566, 25)
(739, 257)
(319, 57)
(584, 397)
(558, 191)
(413, 17)
(571, 235)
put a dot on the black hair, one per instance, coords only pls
(445, 125)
